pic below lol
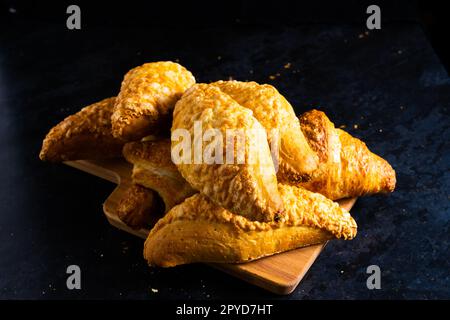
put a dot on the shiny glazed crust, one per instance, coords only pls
(347, 167)
(83, 135)
(200, 231)
(147, 97)
(248, 188)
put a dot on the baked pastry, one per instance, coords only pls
(83, 135)
(147, 97)
(347, 167)
(240, 176)
(295, 157)
(139, 207)
(198, 230)
(154, 169)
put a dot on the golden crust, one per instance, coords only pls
(200, 231)
(249, 189)
(84, 135)
(147, 97)
(274, 112)
(347, 167)
(139, 208)
(154, 169)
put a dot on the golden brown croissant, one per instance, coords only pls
(273, 111)
(154, 169)
(200, 231)
(84, 135)
(147, 97)
(139, 207)
(245, 186)
(347, 167)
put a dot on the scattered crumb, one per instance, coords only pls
(355, 126)
(342, 126)
(366, 33)
(381, 130)
(399, 51)
(12, 10)
(12, 234)
(272, 77)
(219, 57)
(208, 296)
(154, 290)
(402, 107)
(177, 60)
(278, 75)
(360, 36)
(230, 78)
(101, 255)
(287, 65)
(342, 271)
(251, 71)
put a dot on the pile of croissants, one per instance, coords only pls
(227, 212)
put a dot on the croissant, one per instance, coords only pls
(273, 111)
(247, 184)
(139, 207)
(347, 167)
(84, 135)
(154, 169)
(200, 231)
(147, 97)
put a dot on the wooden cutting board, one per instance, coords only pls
(280, 273)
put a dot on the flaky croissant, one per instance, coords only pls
(200, 231)
(147, 97)
(83, 135)
(154, 169)
(246, 186)
(273, 111)
(347, 167)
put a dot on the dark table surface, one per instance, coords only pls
(387, 87)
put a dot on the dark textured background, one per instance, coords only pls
(387, 87)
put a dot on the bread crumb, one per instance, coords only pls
(154, 290)
(342, 126)
(355, 126)
(287, 65)
(272, 77)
